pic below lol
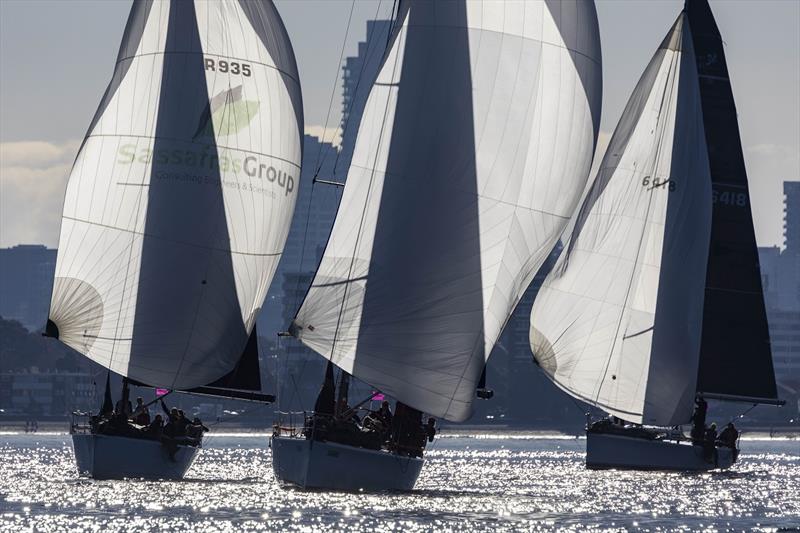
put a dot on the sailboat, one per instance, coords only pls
(656, 300)
(471, 155)
(177, 210)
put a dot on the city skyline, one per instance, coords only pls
(36, 152)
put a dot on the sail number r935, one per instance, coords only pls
(224, 66)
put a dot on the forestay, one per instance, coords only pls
(618, 321)
(180, 199)
(472, 152)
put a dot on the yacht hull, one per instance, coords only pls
(114, 457)
(635, 453)
(309, 464)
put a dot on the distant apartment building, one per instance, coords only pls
(780, 273)
(300, 369)
(46, 394)
(308, 233)
(358, 73)
(791, 216)
(26, 281)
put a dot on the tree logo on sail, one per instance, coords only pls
(227, 113)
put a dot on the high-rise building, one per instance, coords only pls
(26, 281)
(780, 274)
(791, 216)
(299, 368)
(313, 218)
(358, 73)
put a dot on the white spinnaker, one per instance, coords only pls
(180, 199)
(618, 321)
(473, 149)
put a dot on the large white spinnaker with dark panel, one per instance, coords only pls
(472, 152)
(180, 199)
(624, 301)
(631, 319)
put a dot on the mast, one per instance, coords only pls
(473, 149)
(736, 357)
(180, 199)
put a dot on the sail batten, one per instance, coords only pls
(473, 149)
(180, 199)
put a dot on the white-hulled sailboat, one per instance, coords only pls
(177, 211)
(657, 297)
(471, 155)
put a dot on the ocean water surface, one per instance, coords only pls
(505, 482)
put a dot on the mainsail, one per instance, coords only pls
(736, 361)
(180, 199)
(624, 302)
(472, 152)
(625, 318)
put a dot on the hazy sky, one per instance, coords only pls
(56, 58)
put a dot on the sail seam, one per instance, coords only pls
(151, 236)
(249, 61)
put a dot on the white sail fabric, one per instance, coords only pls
(472, 152)
(618, 321)
(179, 202)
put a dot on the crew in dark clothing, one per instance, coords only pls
(385, 414)
(699, 420)
(123, 407)
(155, 428)
(709, 443)
(171, 427)
(124, 404)
(170, 432)
(195, 430)
(430, 429)
(182, 423)
(141, 415)
(729, 436)
(345, 414)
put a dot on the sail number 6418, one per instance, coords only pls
(736, 199)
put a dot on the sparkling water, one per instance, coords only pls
(503, 482)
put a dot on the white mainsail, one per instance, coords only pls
(472, 152)
(180, 199)
(618, 321)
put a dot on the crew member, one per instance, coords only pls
(729, 436)
(699, 420)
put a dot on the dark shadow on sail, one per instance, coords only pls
(188, 328)
(423, 309)
(577, 34)
(735, 355)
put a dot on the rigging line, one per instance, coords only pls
(367, 57)
(364, 210)
(668, 89)
(317, 164)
